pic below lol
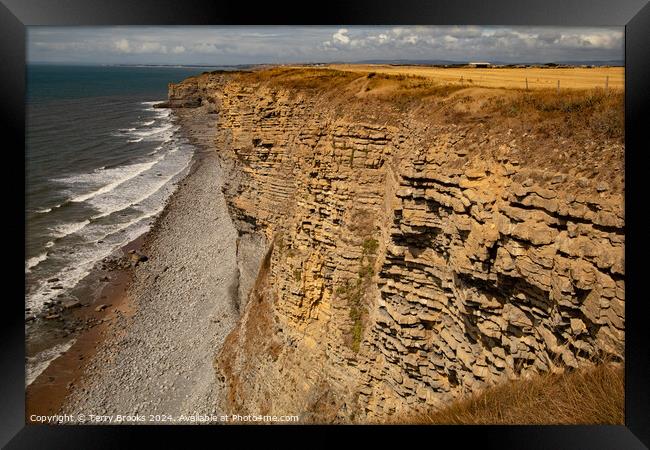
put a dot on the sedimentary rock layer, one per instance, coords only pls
(411, 250)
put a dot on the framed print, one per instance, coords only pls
(421, 215)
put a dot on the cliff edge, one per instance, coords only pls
(403, 243)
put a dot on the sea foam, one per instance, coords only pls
(66, 229)
(35, 261)
(114, 177)
(39, 362)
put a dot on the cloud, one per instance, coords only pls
(62, 46)
(341, 36)
(126, 46)
(278, 44)
(205, 48)
(123, 46)
(152, 47)
(467, 42)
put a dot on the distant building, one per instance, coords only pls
(479, 64)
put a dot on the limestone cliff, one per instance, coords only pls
(415, 242)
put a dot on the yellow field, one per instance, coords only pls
(538, 78)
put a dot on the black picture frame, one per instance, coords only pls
(15, 15)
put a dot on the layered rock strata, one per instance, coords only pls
(405, 260)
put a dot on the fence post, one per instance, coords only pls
(558, 86)
(526, 83)
(606, 84)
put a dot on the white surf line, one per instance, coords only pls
(131, 223)
(68, 277)
(151, 192)
(34, 261)
(153, 131)
(37, 364)
(67, 229)
(70, 228)
(142, 167)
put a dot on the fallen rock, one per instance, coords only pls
(71, 304)
(137, 258)
(602, 186)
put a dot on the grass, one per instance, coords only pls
(370, 246)
(571, 111)
(585, 396)
(405, 91)
(538, 78)
(303, 78)
(587, 113)
(353, 292)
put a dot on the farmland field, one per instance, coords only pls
(538, 78)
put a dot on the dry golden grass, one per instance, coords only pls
(587, 396)
(567, 113)
(570, 112)
(302, 78)
(538, 78)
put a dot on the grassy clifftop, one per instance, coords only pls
(584, 397)
(574, 126)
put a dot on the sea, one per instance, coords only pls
(101, 162)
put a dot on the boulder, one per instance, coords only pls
(71, 304)
(137, 258)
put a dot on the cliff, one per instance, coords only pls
(415, 242)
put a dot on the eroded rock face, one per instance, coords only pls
(407, 262)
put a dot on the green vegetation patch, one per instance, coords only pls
(354, 291)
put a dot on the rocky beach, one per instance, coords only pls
(155, 355)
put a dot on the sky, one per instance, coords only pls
(230, 45)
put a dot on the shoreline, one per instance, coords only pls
(154, 348)
(48, 393)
